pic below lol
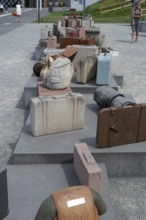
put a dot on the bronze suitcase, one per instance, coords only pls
(119, 126)
(86, 168)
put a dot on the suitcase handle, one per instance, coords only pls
(89, 159)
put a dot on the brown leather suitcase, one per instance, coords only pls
(86, 168)
(118, 126)
(70, 52)
(142, 124)
(52, 42)
(81, 32)
(66, 41)
(88, 41)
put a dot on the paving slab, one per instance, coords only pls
(29, 185)
(125, 160)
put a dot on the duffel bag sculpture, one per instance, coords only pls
(72, 203)
(105, 97)
(49, 59)
(59, 74)
(40, 68)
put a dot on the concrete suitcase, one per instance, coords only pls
(52, 42)
(86, 168)
(86, 70)
(59, 113)
(44, 33)
(66, 41)
(43, 91)
(88, 41)
(81, 32)
(3, 193)
(103, 69)
(119, 125)
(83, 52)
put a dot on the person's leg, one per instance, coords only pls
(17, 18)
(133, 30)
(136, 39)
(137, 29)
(132, 38)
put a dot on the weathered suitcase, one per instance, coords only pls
(142, 124)
(72, 23)
(43, 91)
(59, 113)
(88, 41)
(83, 52)
(3, 193)
(86, 70)
(114, 62)
(69, 52)
(66, 41)
(81, 32)
(87, 170)
(52, 42)
(118, 126)
(44, 33)
(103, 69)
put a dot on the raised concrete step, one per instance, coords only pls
(29, 185)
(121, 161)
(30, 89)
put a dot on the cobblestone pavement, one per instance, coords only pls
(17, 47)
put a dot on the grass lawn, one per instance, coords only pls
(118, 16)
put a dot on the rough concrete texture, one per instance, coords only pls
(55, 114)
(128, 195)
(30, 185)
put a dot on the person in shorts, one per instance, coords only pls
(136, 14)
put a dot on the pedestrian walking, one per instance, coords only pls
(18, 11)
(136, 15)
(1, 8)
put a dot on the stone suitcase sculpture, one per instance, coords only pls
(76, 202)
(87, 170)
(103, 69)
(3, 193)
(122, 125)
(54, 114)
(86, 70)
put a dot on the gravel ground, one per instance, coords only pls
(17, 47)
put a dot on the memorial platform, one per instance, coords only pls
(29, 185)
(121, 161)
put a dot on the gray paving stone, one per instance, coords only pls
(29, 185)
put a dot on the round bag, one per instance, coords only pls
(59, 75)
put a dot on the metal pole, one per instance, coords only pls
(38, 11)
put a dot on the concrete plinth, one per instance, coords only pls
(29, 185)
(121, 161)
(30, 89)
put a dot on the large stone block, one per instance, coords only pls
(83, 52)
(54, 114)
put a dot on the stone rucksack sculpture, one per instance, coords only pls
(72, 203)
(59, 74)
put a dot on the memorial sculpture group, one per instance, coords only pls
(79, 54)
